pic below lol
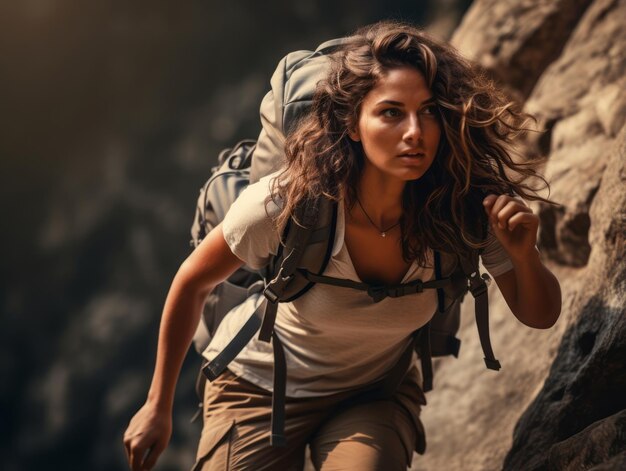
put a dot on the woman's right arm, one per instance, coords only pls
(149, 431)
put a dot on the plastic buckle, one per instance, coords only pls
(377, 293)
(486, 278)
(477, 285)
(275, 288)
(269, 293)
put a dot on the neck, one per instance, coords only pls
(381, 199)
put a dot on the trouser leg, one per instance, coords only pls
(236, 430)
(376, 436)
(373, 436)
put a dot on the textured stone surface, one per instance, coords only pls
(558, 402)
(516, 40)
(471, 411)
(598, 443)
(587, 381)
(580, 103)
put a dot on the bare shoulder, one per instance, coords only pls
(212, 261)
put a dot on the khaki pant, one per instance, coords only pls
(342, 434)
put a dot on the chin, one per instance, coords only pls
(413, 174)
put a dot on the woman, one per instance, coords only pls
(412, 143)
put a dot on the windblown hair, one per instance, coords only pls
(443, 209)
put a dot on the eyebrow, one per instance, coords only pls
(428, 101)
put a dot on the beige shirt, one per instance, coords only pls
(335, 338)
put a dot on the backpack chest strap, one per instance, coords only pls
(377, 292)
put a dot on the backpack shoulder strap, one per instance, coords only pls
(478, 285)
(296, 241)
(307, 245)
(314, 232)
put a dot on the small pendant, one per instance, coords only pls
(383, 234)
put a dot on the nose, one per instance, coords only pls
(413, 129)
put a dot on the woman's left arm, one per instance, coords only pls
(530, 289)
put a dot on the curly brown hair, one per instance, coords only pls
(443, 209)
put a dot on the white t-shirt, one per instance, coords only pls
(335, 338)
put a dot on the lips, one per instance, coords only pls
(412, 154)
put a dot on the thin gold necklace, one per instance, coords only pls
(383, 232)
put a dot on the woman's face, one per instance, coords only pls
(398, 126)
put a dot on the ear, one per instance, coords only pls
(354, 135)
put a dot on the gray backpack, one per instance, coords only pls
(305, 252)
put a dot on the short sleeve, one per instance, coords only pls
(248, 227)
(495, 259)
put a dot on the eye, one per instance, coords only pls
(429, 110)
(391, 112)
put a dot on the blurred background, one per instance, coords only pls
(111, 116)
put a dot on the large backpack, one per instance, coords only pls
(306, 249)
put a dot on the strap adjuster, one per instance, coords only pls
(418, 286)
(269, 293)
(212, 371)
(275, 288)
(377, 293)
(478, 285)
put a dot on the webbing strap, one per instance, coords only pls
(377, 293)
(216, 366)
(277, 438)
(269, 317)
(440, 295)
(478, 288)
(482, 323)
(297, 240)
(426, 358)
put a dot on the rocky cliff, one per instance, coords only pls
(558, 402)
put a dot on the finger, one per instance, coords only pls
(488, 202)
(152, 456)
(127, 450)
(136, 457)
(127, 446)
(509, 210)
(497, 205)
(528, 219)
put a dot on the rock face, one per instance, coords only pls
(517, 40)
(559, 401)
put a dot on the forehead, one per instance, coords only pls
(403, 84)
